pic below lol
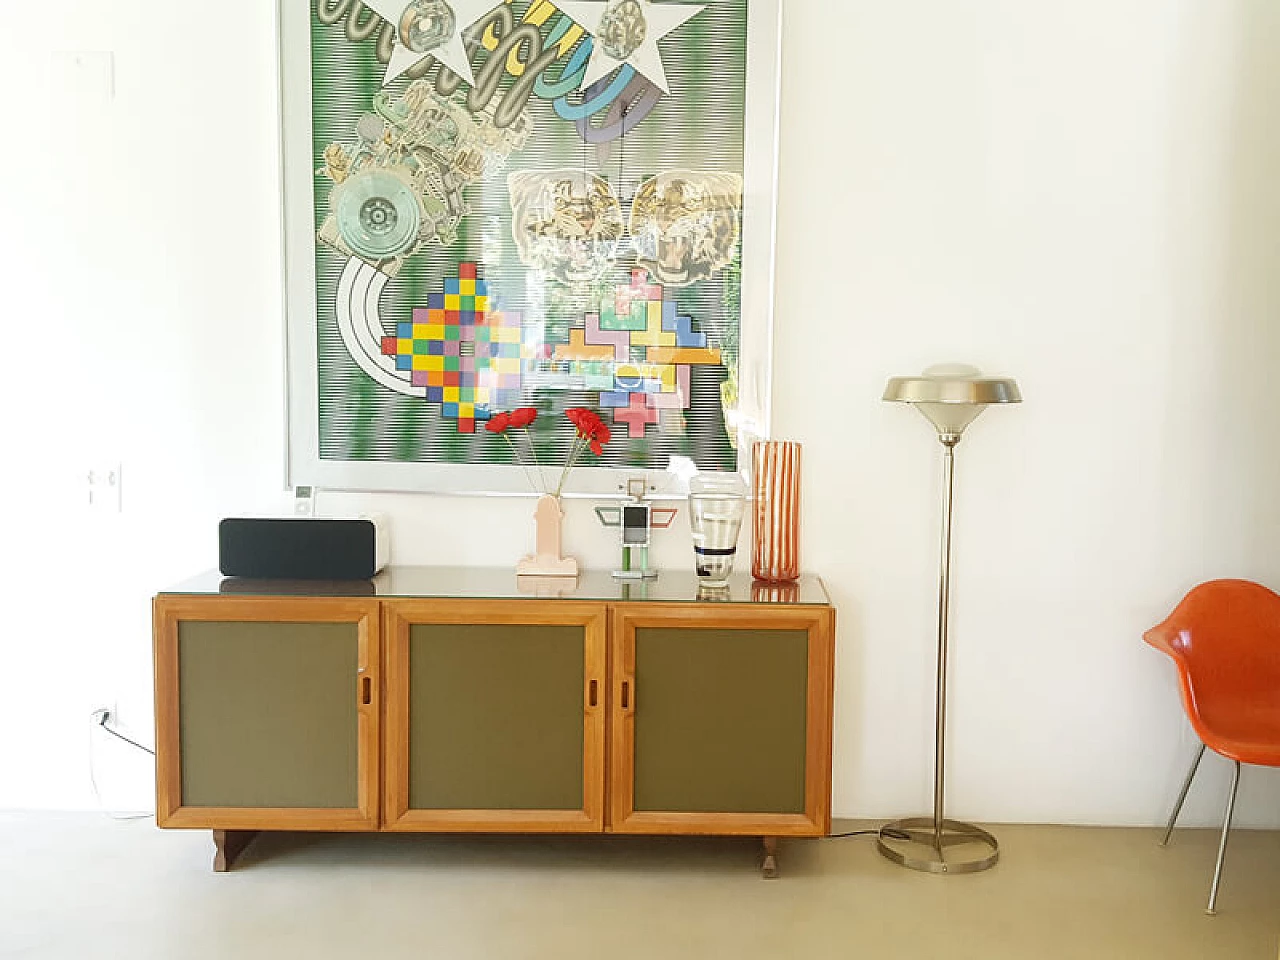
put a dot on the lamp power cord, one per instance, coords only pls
(893, 833)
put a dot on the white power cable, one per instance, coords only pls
(100, 720)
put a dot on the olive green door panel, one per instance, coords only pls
(496, 716)
(268, 714)
(720, 720)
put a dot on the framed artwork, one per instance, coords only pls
(491, 205)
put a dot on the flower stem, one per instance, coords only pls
(533, 452)
(574, 452)
(537, 486)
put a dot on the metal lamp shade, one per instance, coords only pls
(951, 397)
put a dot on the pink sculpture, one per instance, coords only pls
(545, 561)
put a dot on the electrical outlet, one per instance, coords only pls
(104, 715)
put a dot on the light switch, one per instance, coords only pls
(104, 487)
(83, 77)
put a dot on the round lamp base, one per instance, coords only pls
(958, 848)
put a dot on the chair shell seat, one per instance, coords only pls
(1225, 639)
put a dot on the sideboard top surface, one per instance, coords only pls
(672, 586)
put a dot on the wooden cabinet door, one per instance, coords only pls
(721, 719)
(495, 715)
(267, 713)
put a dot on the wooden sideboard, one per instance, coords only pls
(464, 700)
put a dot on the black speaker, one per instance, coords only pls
(307, 548)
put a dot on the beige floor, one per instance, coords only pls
(88, 888)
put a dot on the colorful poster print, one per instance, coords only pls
(516, 204)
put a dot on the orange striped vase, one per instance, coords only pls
(775, 546)
(774, 591)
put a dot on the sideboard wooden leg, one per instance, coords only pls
(769, 869)
(228, 845)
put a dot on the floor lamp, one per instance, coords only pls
(951, 396)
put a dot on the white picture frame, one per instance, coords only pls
(306, 465)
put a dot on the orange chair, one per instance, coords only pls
(1225, 638)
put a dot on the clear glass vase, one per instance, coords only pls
(717, 503)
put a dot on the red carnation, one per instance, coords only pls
(588, 423)
(590, 433)
(523, 416)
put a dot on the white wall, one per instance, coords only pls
(1082, 195)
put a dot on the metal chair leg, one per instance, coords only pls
(1222, 845)
(1186, 785)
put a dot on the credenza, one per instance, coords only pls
(464, 700)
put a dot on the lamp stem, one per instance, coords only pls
(949, 441)
(952, 846)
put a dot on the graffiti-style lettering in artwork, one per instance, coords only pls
(528, 203)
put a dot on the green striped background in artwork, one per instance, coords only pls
(699, 126)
